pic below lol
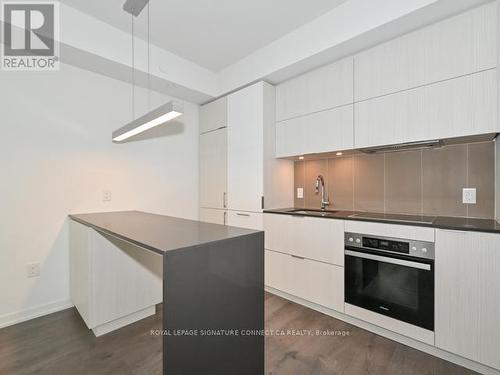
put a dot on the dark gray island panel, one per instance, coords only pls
(213, 289)
(214, 293)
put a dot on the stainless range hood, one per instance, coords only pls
(403, 146)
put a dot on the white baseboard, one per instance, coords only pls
(34, 312)
(124, 321)
(429, 349)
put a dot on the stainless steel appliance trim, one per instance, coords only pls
(399, 262)
(429, 254)
(403, 146)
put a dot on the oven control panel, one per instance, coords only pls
(419, 249)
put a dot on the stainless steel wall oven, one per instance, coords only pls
(391, 276)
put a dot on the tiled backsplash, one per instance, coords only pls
(426, 182)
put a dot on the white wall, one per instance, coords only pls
(56, 158)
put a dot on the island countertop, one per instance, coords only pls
(158, 233)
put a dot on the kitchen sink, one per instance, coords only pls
(314, 212)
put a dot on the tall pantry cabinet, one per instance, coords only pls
(239, 174)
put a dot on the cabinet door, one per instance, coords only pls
(213, 150)
(245, 161)
(210, 215)
(277, 271)
(307, 237)
(312, 281)
(458, 107)
(325, 131)
(324, 88)
(278, 232)
(248, 220)
(317, 239)
(213, 115)
(455, 47)
(467, 295)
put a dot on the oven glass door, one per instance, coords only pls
(396, 286)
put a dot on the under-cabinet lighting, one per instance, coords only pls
(338, 154)
(301, 158)
(151, 119)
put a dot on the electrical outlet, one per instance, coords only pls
(469, 196)
(33, 270)
(300, 193)
(106, 196)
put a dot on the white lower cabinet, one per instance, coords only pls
(468, 295)
(305, 258)
(243, 219)
(112, 282)
(212, 215)
(309, 237)
(310, 280)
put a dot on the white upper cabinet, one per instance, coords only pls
(324, 88)
(325, 131)
(245, 164)
(467, 295)
(213, 159)
(453, 108)
(457, 46)
(213, 115)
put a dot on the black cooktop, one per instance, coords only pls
(396, 217)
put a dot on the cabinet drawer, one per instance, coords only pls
(313, 281)
(213, 115)
(308, 237)
(249, 220)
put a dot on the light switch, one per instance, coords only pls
(300, 193)
(469, 196)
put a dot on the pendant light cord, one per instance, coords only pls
(149, 59)
(133, 70)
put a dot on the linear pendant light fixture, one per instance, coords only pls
(154, 118)
(158, 116)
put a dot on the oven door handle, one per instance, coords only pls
(399, 262)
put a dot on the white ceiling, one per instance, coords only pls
(211, 33)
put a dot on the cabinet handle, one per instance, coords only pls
(224, 195)
(297, 257)
(453, 231)
(240, 214)
(225, 215)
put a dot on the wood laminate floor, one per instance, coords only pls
(60, 344)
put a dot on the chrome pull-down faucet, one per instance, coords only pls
(320, 183)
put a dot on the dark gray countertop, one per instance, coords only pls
(158, 233)
(440, 222)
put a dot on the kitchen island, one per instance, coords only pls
(209, 277)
